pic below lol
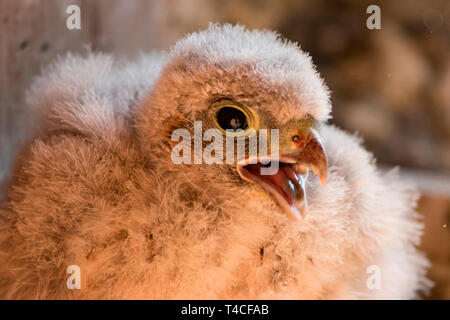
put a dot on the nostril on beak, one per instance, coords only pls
(295, 138)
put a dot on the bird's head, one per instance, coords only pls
(229, 78)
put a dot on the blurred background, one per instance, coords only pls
(392, 85)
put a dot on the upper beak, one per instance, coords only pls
(287, 184)
(312, 156)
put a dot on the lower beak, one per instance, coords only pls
(287, 184)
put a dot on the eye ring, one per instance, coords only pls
(235, 116)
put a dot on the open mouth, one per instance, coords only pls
(286, 185)
(286, 178)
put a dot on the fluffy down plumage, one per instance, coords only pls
(97, 189)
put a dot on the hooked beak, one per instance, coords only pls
(287, 184)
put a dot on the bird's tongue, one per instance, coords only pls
(286, 186)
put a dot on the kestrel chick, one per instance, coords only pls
(98, 187)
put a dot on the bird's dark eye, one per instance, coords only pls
(231, 118)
